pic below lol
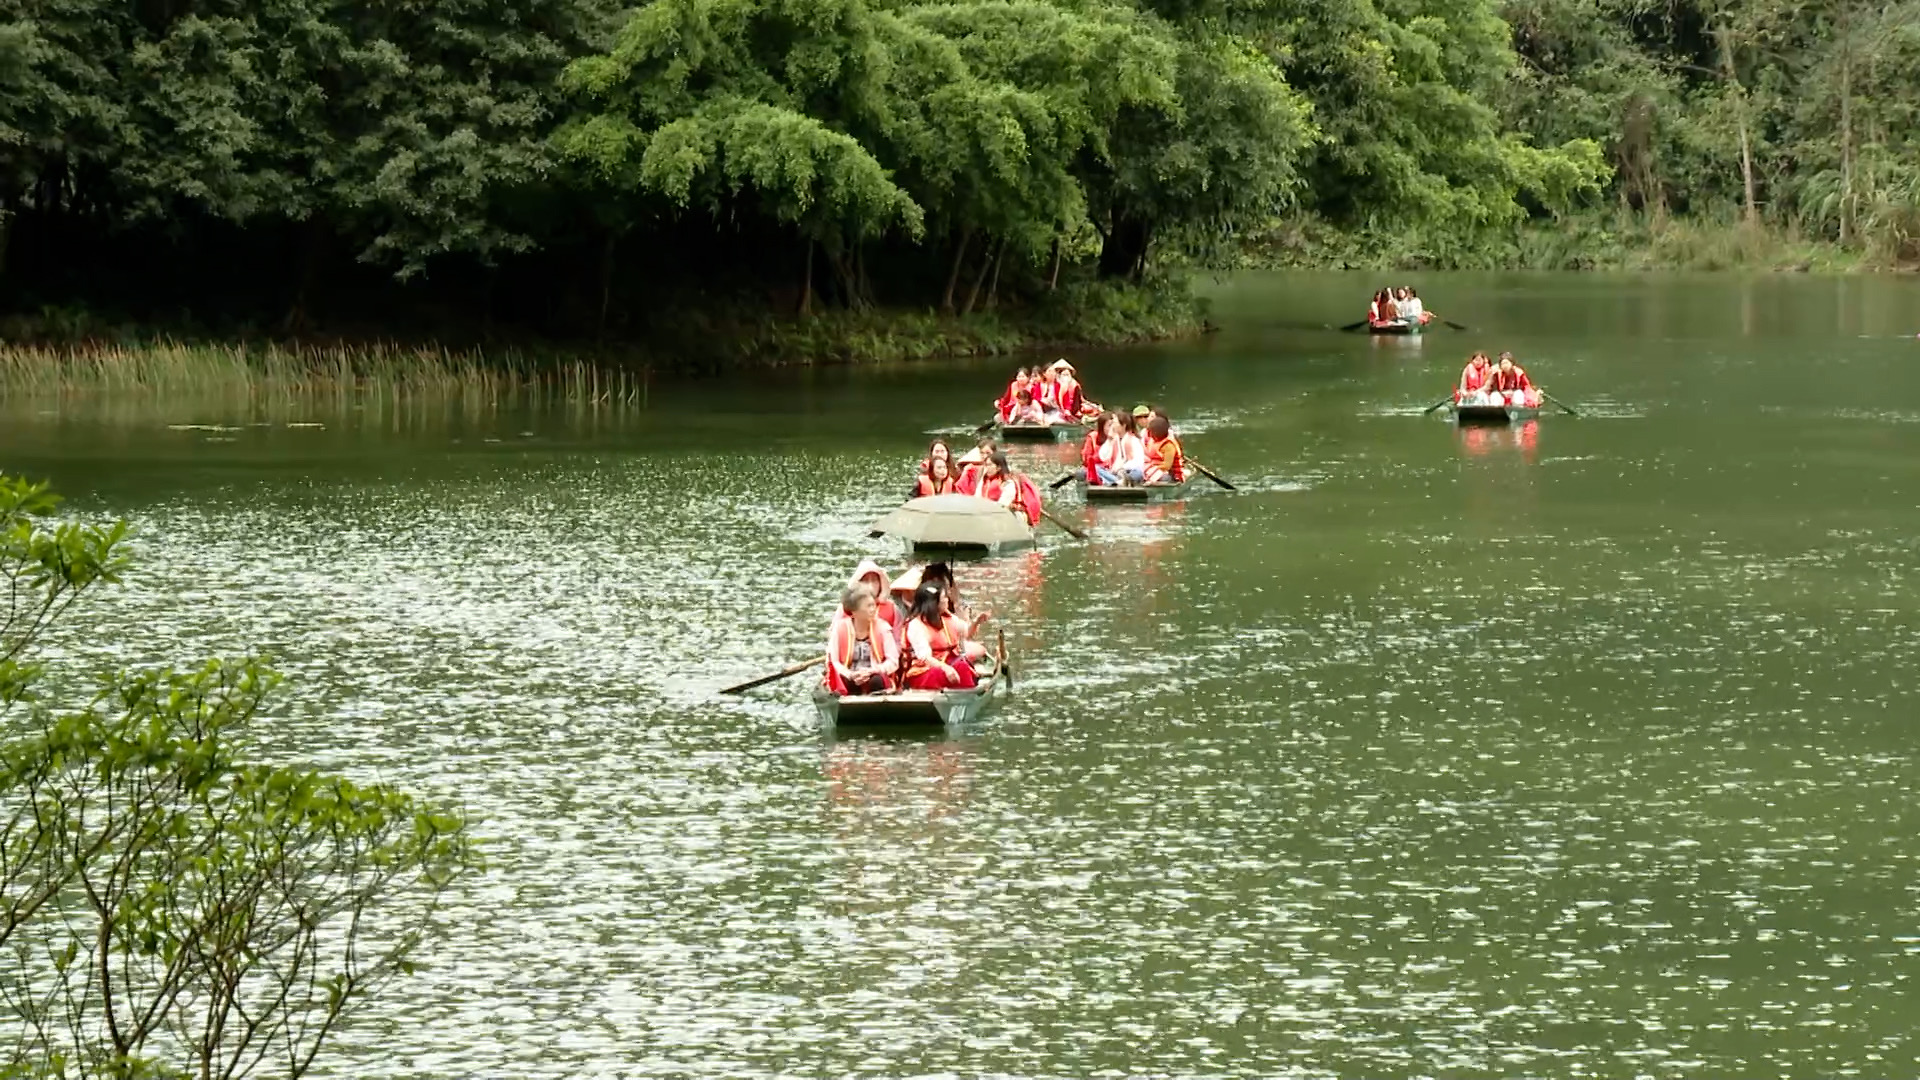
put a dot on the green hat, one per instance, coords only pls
(1142, 410)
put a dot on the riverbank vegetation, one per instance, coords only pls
(771, 179)
(168, 905)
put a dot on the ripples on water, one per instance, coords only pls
(1416, 767)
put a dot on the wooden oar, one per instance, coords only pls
(986, 427)
(775, 677)
(1077, 534)
(1455, 325)
(1571, 411)
(1354, 325)
(1211, 475)
(1062, 482)
(1437, 404)
(1005, 667)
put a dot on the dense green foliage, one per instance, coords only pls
(581, 166)
(168, 908)
(1801, 118)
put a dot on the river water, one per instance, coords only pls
(1581, 749)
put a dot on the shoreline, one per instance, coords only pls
(132, 359)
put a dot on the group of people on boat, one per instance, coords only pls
(1133, 448)
(982, 472)
(913, 633)
(1397, 307)
(1484, 382)
(1039, 396)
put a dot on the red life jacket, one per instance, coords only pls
(1476, 376)
(1512, 380)
(944, 643)
(1070, 398)
(1090, 456)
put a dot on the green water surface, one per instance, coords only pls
(1584, 748)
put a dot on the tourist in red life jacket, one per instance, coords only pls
(935, 659)
(1027, 411)
(969, 464)
(862, 657)
(1021, 381)
(1094, 451)
(938, 479)
(1046, 393)
(1166, 462)
(1072, 400)
(997, 482)
(1473, 379)
(1510, 383)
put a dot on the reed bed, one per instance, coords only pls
(169, 367)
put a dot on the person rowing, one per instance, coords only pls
(1511, 385)
(1473, 379)
(1166, 460)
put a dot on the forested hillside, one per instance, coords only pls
(582, 167)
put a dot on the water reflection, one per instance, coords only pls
(1487, 440)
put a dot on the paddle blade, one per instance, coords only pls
(1062, 482)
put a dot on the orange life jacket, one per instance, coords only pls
(1167, 460)
(926, 486)
(1476, 376)
(840, 643)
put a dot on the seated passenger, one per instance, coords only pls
(936, 480)
(934, 653)
(1004, 407)
(1026, 410)
(861, 654)
(1095, 453)
(1166, 461)
(1511, 385)
(1410, 306)
(1473, 380)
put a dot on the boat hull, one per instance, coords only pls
(908, 708)
(1040, 432)
(937, 546)
(1492, 415)
(1394, 328)
(1102, 494)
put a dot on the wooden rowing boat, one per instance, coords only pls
(1396, 327)
(1471, 415)
(1134, 493)
(1062, 432)
(918, 708)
